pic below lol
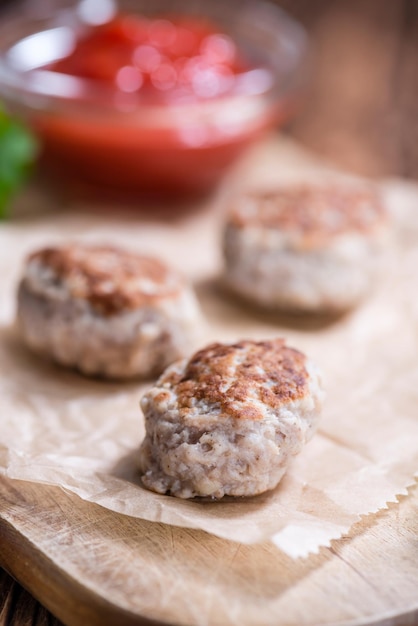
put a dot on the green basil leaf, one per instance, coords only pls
(18, 150)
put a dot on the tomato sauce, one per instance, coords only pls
(160, 59)
(183, 125)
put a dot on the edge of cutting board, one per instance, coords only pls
(90, 566)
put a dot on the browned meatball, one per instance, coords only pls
(228, 421)
(308, 248)
(105, 311)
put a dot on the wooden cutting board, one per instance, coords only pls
(92, 567)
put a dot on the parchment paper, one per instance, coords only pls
(60, 428)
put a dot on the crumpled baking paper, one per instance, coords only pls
(60, 428)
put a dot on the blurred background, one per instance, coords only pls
(361, 111)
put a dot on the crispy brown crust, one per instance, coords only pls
(312, 211)
(110, 279)
(235, 375)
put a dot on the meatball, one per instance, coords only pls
(307, 248)
(229, 420)
(105, 311)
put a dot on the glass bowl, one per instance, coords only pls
(95, 137)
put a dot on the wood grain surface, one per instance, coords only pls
(19, 608)
(91, 566)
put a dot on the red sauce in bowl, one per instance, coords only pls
(160, 59)
(177, 111)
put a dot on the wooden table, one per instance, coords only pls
(18, 607)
